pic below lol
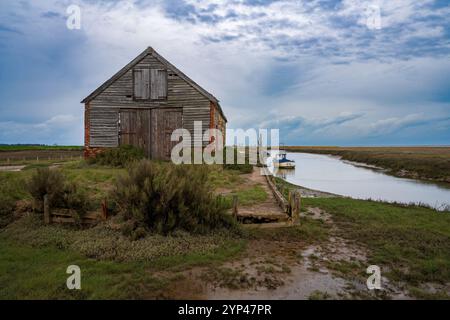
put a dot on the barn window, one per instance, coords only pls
(141, 83)
(150, 84)
(158, 84)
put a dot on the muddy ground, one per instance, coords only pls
(287, 270)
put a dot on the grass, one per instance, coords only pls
(229, 179)
(96, 180)
(428, 163)
(251, 195)
(40, 273)
(411, 243)
(35, 257)
(308, 231)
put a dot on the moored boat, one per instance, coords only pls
(283, 162)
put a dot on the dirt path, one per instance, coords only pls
(267, 210)
(11, 168)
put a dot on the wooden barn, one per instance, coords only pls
(143, 103)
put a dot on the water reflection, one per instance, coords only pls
(285, 173)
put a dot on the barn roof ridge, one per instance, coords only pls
(160, 58)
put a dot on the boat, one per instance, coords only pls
(282, 162)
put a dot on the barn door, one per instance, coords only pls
(164, 122)
(135, 129)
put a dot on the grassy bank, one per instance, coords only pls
(35, 255)
(428, 163)
(411, 244)
(38, 271)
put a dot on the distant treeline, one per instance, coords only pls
(20, 147)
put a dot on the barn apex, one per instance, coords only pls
(143, 103)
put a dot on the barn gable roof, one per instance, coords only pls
(156, 55)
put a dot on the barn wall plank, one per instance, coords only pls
(103, 127)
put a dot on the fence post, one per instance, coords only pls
(104, 210)
(290, 203)
(235, 204)
(47, 218)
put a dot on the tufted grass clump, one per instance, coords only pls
(164, 197)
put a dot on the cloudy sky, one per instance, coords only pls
(324, 72)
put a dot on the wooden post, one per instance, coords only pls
(296, 211)
(290, 204)
(235, 206)
(104, 210)
(47, 218)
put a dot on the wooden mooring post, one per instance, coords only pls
(235, 206)
(294, 201)
(47, 214)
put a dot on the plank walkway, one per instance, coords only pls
(263, 212)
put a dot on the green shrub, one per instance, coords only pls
(61, 194)
(11, 191)
(48, 182)
(6, 210)
(75, 198)
(118, 157)
(164, 197)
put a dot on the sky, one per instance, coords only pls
(348, 72)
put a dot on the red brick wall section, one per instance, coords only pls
(88, 151)
(212, 109)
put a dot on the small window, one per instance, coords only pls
(141, 79)
(158, 84)
(150, 84)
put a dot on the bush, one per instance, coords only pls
(6, 210)
(164, 197)
(48, 182)
(118, 157)
(61, 194)
(11, 190)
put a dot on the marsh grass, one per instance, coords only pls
(411, 243)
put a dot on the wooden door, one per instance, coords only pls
(164, 122)
(135, 129)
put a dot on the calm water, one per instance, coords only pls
(330, 174)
